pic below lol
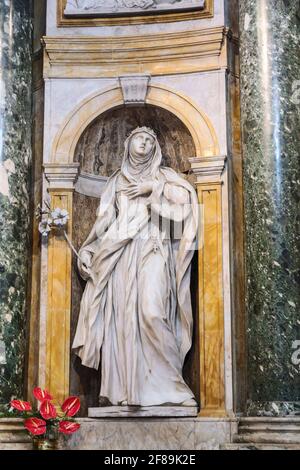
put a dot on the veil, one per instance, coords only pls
(134, 167)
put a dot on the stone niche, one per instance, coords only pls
(99, 152)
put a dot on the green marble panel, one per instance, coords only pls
(15, 167)
(270, 98)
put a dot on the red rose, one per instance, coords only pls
(71, 406)
(35, 426)
(21, 405)
(68, 427)
(47, 410)
(41, 395)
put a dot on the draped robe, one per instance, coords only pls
(136, 314)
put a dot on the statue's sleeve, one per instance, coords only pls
(106, 214)
(176, 194)
(170, 199)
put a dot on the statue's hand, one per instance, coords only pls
(84, 264)
(139, 189)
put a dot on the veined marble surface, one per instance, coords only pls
(270, 72)
(155, 434)
(101, 146)
(15, 164)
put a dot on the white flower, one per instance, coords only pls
(60, 216)
(45, 227)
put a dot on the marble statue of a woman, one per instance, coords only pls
(135, 314)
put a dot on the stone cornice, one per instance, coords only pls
(156, 54)
(208, 168)
(61, 175)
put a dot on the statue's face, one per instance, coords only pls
(142, 144)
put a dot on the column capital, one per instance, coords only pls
(61, 175)
(208, 169)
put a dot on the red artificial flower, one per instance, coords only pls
(68, 427)
(71, 406)
(35, 426)
(41, 395)
(21, 405)
(47, 410)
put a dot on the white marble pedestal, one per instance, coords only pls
(152, 433)
(143, 411)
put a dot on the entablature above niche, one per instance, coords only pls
(66, 17)
(155, 54)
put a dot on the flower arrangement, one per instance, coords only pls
(49, 421)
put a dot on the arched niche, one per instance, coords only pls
(101, 146)
(196, 121)
(99, 151)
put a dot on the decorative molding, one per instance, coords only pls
(208, 168)
(199, 125)
(154, 54)
(63, 21)
(134, 88)
(61, 176)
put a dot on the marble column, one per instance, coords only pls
(15, 167)
(270, 98)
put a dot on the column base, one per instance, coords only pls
(212, 413)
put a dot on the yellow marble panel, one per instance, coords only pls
(211, 313)
(59, 303)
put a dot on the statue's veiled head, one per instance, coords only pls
(142, 155)
(141, 144)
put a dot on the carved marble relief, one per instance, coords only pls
(119, 7)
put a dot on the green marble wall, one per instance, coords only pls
(270, 99)
(15, 167)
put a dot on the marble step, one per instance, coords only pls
(267, 437)
(13, 436)
(16, 446)
(272, 423)
(265, 430)
(270, 428)
(266, 433)
(251, 446)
